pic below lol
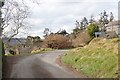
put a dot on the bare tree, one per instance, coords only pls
(46, 32)
(111, 17)
(1, 20)
(84, 23)
(103, 20)
(91, 19)
(15, 14)
(14, 17)
(77, 23)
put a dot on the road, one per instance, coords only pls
(41, 66)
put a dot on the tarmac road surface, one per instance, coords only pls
(41, 66)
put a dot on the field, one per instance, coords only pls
(99, 59)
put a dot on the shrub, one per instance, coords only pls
(92, 28)
(41, 50)
(81, 39)
(57, 41)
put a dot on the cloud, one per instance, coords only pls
(56, 14)
(36, 33)
(35, 21)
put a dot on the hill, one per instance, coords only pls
(15, 41)
(99, 59)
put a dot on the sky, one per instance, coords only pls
(62, 14)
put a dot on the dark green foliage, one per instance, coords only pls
(92, 29)
(32, 41)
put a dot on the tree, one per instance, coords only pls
(46, 32)
(14, 17)
(103, 20)
(111, 17)
(92, 29)
(15, 14)
(62, 32)
(77, 24)
(75, 32)
(33, 41)
(2, 51)
(1, 20)
(91, 19)
(79, 27)
(37, 39)
(84, 23)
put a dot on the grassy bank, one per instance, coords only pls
(99, 59)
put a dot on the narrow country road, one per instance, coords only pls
(41, 66)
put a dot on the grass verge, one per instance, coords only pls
(99, 59)
(37, 51)
(41, 50)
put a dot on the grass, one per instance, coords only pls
(41, 50)
(99, 59)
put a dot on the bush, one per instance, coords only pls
(81, 39)
(92, 28)
(41, 50)
(57, 41)
(75, 32)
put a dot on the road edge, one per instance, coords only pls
(70, 68)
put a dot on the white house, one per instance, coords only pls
(112, 29)
(113, 26)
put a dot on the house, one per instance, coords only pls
(112, 30)
(113, 26)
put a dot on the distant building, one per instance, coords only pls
(112, 30)
(113, 27)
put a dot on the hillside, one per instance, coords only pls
(15, 41)
(99, 59)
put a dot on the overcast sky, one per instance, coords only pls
(62, 14)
